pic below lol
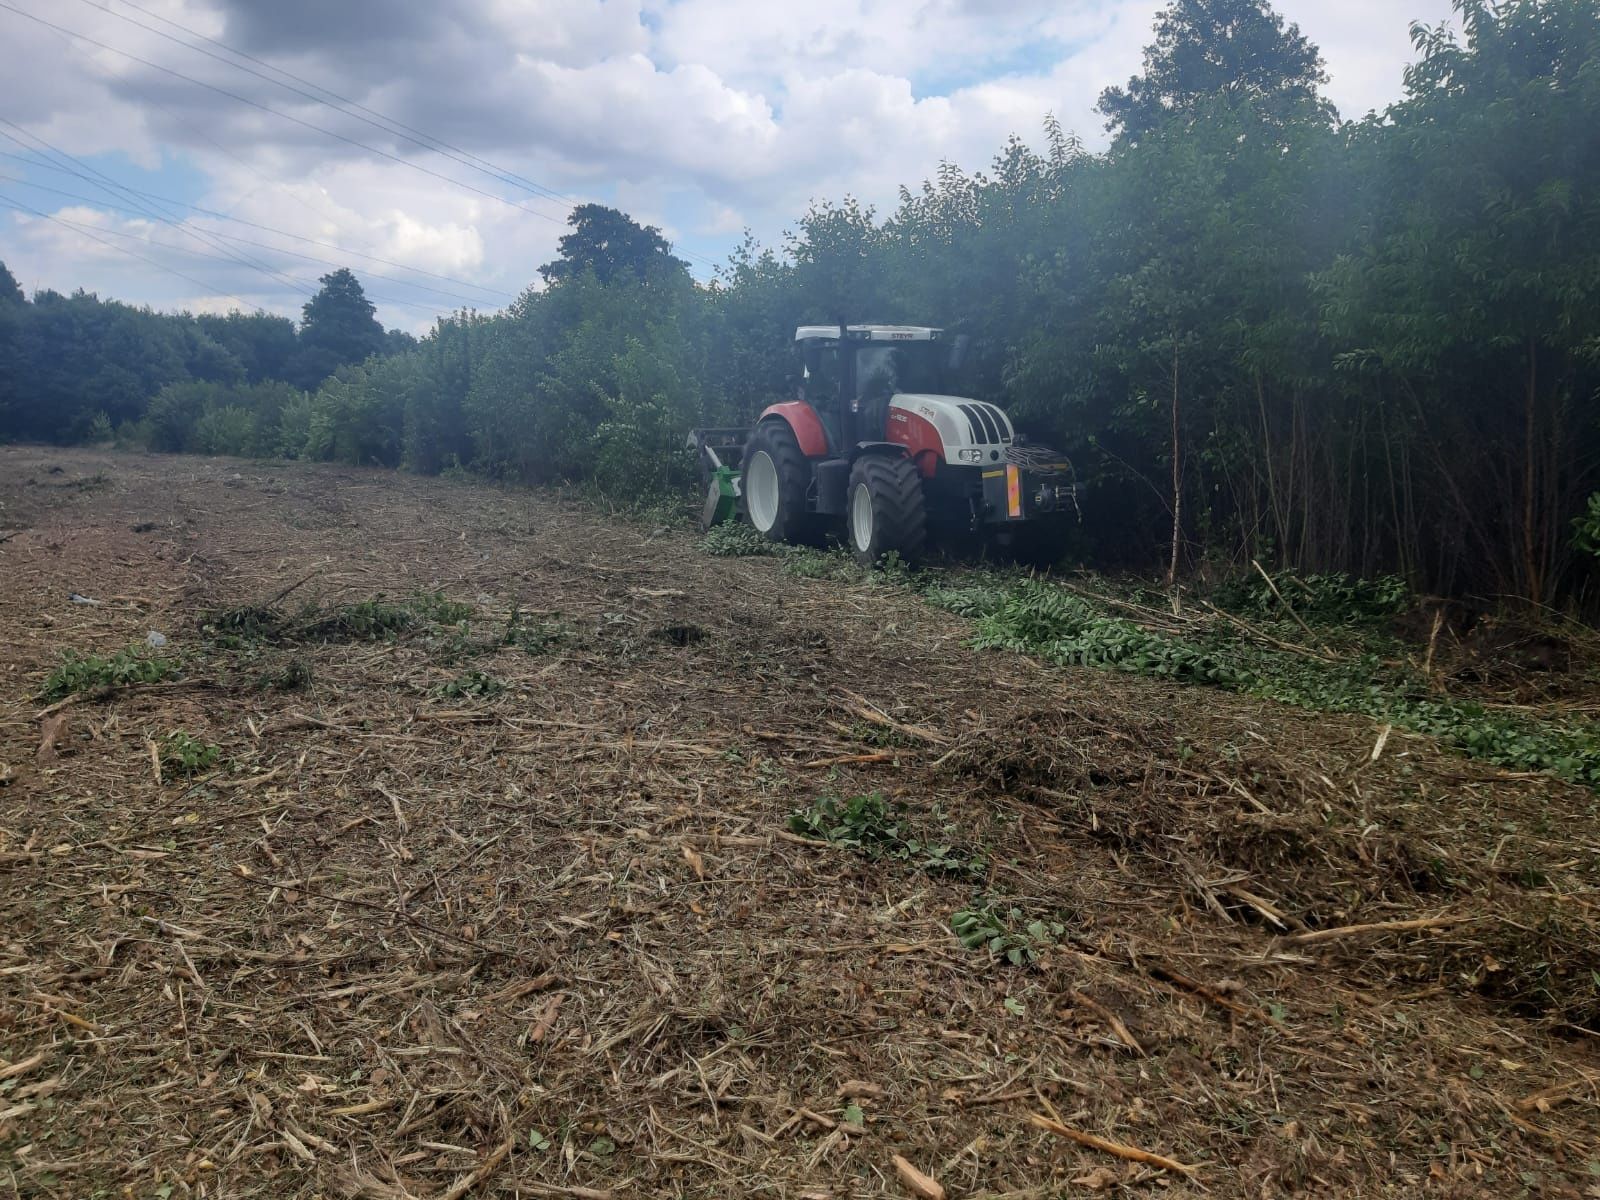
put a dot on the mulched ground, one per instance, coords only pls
(404, 939)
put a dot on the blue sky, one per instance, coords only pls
(705, 117)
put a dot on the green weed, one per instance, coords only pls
(184, 754)
(1006, 933)
(85, 672)
(735, 539)
(290, 677)
(379, 619)
(875, 829)
(1330, 599)
(472, 684)
(536, 637)
(233, 628)
(1043, 620)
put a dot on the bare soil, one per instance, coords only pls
(403, 939)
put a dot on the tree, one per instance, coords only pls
(10, 290)
(1479, 288)
(13, 310)
(612, 246)
(1238, 50)
(263, 344)
(338, 329)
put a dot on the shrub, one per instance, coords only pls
(230, 429)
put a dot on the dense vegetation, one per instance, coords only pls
(1367, 347)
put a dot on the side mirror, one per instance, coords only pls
(958, 350)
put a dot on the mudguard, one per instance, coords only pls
(807, 426)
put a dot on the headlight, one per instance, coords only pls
(970, 456)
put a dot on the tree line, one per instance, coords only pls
(1260, 332)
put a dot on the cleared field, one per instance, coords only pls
(489, 887)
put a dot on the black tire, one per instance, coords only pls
(884, 510)
(780, 516)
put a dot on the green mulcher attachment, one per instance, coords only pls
(719, 453)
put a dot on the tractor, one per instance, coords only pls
(873, 446)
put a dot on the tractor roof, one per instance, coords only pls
(871, 333)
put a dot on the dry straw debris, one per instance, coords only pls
(555, 937)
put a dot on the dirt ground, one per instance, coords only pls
(413, 936)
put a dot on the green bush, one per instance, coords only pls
(170, 422)
(230, 429)
(293, 435)
(1586, 527)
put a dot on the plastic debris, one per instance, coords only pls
(155, 640)
(77, 599)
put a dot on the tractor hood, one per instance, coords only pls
(969, 431)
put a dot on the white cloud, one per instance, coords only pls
(702, 116)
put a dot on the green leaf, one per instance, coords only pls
(1015, 1007)
(537, 1140)
(853, 1115)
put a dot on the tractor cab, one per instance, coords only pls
(849, 379)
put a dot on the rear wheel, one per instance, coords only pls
(775, 474)
(886, 510)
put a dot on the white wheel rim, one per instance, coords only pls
(761, 491)
(861, 517)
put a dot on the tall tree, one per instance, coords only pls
(612, 246)
(263, 344)
(1479, 288)
(1237, 50)
(10, 291)
(338, 329)
(11, 383)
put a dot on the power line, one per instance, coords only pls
(449, 151)
(503, 171)
(195, 254)
(222, 216)
(107, 184)
(7, 200)
(421, 287)
(388, 124)
(221, 91)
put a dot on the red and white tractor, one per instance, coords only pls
(873, 446)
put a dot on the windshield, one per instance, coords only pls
(886, 370)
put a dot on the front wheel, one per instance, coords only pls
(886, 510)
(775, 474)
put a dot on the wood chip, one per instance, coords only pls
(696, 863)
(1344, 931)
(1093, 1142)
(860, 1089)
(925, 1187)
(50, 731)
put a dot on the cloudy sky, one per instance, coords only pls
(435, 146)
